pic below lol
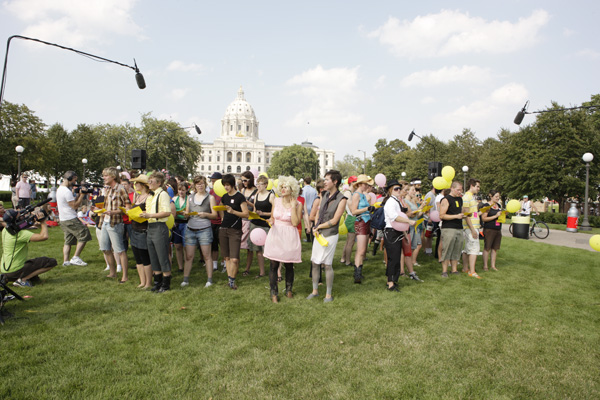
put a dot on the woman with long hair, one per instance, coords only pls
(181, 220)
(359, 207)
(138, 238)
(392, 208)
(249, 191)
(414, 212)
(198, 232)
(263, 206)
(283, 242)
(157, 212)
(492, 229)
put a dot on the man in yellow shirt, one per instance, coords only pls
(471, 227)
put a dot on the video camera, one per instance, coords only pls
(22, 219)
(85, 187)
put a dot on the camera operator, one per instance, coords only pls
(75, 231)
(15, 265)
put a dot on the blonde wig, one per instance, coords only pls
(290, 182)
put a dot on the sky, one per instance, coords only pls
(340, 74)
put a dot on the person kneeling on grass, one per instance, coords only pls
(15, 265)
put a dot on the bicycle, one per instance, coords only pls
(538, 229)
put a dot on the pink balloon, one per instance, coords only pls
(373, 197)
(126, 174)
(255, 173)
(434, 216)
(380, 180)
(400, 226)
(258, 237)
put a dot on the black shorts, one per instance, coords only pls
(30, 267)
(215, 242)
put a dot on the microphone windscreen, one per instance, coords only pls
(198, 131)
(139, 78)
(410, 137)
(519, 117)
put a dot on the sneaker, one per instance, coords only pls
(66, 264)
(78, 261)
(414, 277)
(444, 274)
(107, 268)
(119, 268)
(474, 275)
(208, 284)
(184, 284)
(8, 297)
(327, 299)
(224, 270)
(20, 283)
(416, 264)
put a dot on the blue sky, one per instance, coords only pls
(341, 74)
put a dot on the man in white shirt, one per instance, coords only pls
(23, 192)
(75, 231)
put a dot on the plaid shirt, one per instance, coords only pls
(116, 197)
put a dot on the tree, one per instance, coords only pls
(390, 159)
(297, 161)
(168, 146)
(20, 126)
(349, 166)
(57, 152)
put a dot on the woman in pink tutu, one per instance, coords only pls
(283, 242)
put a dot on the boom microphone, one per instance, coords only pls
(521, 114)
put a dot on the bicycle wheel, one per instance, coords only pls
(510, 228)
(540, 230)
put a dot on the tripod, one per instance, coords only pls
(5, 291)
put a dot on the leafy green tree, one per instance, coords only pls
(349, 165)
(296, 160)
(20, 126)
(390, 159)
(168, 146)
(57, 152)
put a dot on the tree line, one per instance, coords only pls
(51, 151)
(542, 159)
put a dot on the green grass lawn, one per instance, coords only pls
(530, 330)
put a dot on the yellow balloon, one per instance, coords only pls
(448, 184)
(448, 173)
(263, 174)
(275, 182)
(595, 242)
(270, 185)
(513, 206)
(343, 230)
(439, 183)
(219, 188)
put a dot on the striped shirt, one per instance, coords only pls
(115, 198)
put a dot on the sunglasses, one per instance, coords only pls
(244, 180)
(397, 188)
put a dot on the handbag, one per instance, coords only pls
(406, 247)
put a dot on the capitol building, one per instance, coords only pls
(239, 148)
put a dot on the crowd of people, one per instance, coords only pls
(156, 215)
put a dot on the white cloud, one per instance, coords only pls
(181, 66)
(178, 94)
(380, 81)
(74, 22)
(330, 94)
(445, 75)
(428, 100)
(589, 53)
(452, 32)
(496, 109)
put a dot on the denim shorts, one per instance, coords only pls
(111, 237)
(178, 232)
(203, 237)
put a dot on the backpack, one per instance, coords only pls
(378, 219)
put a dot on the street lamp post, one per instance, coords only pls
(465, 170)
(19, 149)
(364, 160)
(585, 224)
(403, 175)
(84, 162)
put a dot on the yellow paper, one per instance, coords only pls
(253, 215)
(134, 214)
(419, 222)
(219, 208)
(180, 212)
(485, 209)
(102, 210)
(193, 213)
(502, 217)
(426, 208)
(377, 205)
(99, 205)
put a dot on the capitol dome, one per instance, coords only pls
(239, 120)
